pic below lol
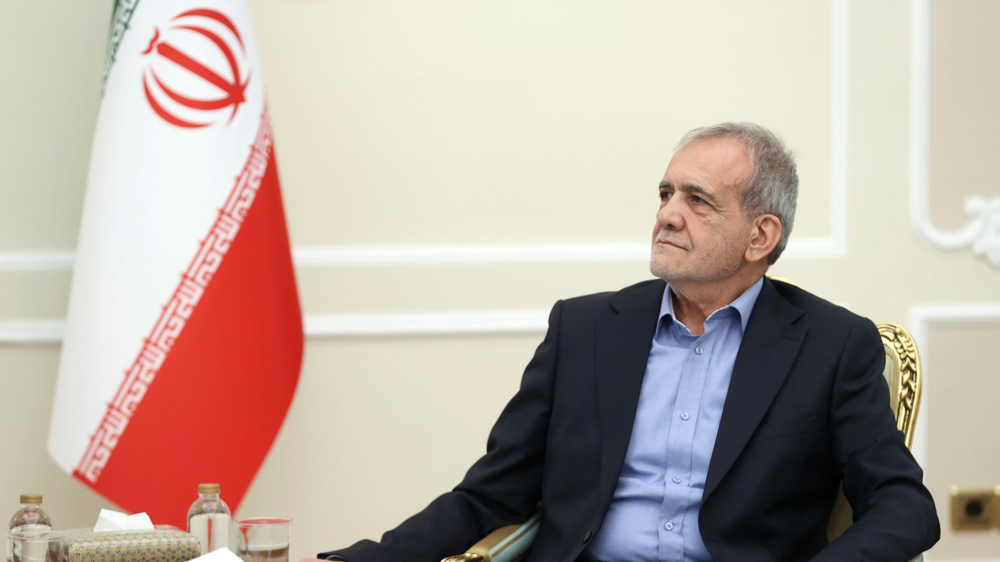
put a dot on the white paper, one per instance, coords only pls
(138, 522)
(221, 555)
(109, 520)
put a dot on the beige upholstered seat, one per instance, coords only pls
(902, 373)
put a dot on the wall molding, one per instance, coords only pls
(921, 318)
(483, 322)
(982, 231)
(839, 98)
(332, 256)
(37, 261)
(583, 252)
(31, 332)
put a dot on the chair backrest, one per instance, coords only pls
(903, 375)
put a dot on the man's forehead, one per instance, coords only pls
(709, 162)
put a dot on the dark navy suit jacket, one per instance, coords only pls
(807, 407)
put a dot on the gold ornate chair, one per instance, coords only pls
(903, 375)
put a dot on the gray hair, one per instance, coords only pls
(773, 187)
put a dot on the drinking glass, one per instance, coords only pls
(32, 545)
(263, 539)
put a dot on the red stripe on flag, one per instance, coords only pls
(218, 376)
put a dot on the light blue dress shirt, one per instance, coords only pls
(654, 512)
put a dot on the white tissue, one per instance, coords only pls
(115, 521)
(220, 555)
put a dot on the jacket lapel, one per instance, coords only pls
(770, 344)
(623, 340)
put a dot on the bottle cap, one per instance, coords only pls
(202, 489)
(31, 498)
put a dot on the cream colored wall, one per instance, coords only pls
(965, 115)
(405, 124)
(964, 422)
(50, 64)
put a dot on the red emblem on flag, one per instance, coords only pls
(198, 69)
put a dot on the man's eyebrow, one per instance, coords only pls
(691, 188)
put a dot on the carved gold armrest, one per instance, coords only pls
(506, 544)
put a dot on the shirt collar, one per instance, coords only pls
(743, 304)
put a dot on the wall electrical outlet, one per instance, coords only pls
(974, 508)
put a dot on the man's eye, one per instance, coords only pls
(664, 195)
(697, 199)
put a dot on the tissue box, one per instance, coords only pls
(160, 545)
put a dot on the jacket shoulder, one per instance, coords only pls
(816, 308)
(633, 296)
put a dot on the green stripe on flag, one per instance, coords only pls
(120, 17)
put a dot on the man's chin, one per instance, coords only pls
(665, 271)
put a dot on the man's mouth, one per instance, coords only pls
(670, 243)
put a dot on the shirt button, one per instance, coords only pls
(685, 416)
(698, 350)
(669, 525)
(676, 479)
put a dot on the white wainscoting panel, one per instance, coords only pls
(921, 318)
(982, 231)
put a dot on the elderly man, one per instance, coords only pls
(709, 414)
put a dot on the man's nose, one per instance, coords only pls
(669, 216)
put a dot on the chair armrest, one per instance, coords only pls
(506, 544)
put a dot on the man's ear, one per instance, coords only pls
(764, 236)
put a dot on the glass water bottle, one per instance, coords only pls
(31, 517)
(209, 519)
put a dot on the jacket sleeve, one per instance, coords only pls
(501, 488)
(894, 515)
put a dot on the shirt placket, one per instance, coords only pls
(680, 441)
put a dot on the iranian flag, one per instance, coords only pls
(184, 337)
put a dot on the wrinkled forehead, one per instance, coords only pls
(718, 162)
